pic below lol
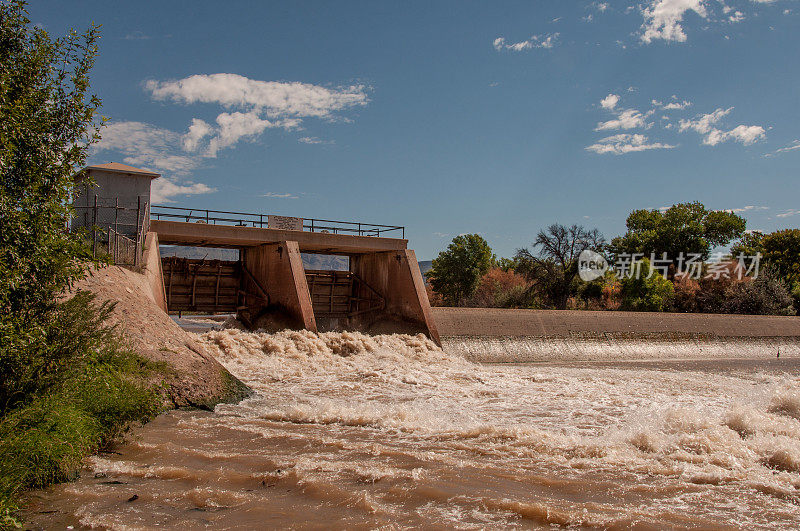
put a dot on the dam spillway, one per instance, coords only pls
(268, 287)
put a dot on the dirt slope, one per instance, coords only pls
(196, 379)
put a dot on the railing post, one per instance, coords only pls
(94, 228)
(138, 230)
(115, 255)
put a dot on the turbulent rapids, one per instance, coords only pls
(351, 430)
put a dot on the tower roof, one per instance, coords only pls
(116, 167)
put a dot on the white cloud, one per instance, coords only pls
(255, 105)
(788, 213)
(625, 143)
(795, 144)
(663, 19)
(273, 195)
(673, 105)
(610, 101)
(705, 125)
(145, 145)
(314, 140)
(137, 36)
(737, 16)
(626, 119)
(152, 148)
(233, 126)
(273, 98)
(601, 6)
(536, 41)
(746, 134)
(164, 189)
(197, 132)
(748, 208)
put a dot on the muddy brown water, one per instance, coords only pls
(351, 431)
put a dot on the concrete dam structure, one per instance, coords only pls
(382, 290)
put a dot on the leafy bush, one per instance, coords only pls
(68, 387)
(500, 289)
(686, 294)
(763, 295)
(646, 291)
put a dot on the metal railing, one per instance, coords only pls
(242, 219)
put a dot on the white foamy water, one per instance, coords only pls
(348, 430)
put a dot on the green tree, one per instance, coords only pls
(781, 251)
(47, 125)
(750, 244)
(682, 228)
(554, 268)
(455, 273)
(646, 290)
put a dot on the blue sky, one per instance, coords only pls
(453, 117)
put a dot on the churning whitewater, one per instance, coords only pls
(351, 430)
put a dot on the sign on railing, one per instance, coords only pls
(284, 223)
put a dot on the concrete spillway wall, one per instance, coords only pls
(496, 335)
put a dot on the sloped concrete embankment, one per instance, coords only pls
(192, 378)
(500, 335)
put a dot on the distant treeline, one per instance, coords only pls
(664, 262)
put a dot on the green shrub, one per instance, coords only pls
(647, 291)
(71, 388)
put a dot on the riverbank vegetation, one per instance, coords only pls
(68, 385)
(685, 276)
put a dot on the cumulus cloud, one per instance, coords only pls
(164, 189)
(233, 126)
(626, 119)
(625, 143)
(706, 125)
(746, 134)
(273, 98)
(737, 16)
(152, 148)
(673, 105)
(609, 102)
(251, 106)
(146, 145)
(197, 132)
(662, 19)
(256, 105)
(536, 41)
